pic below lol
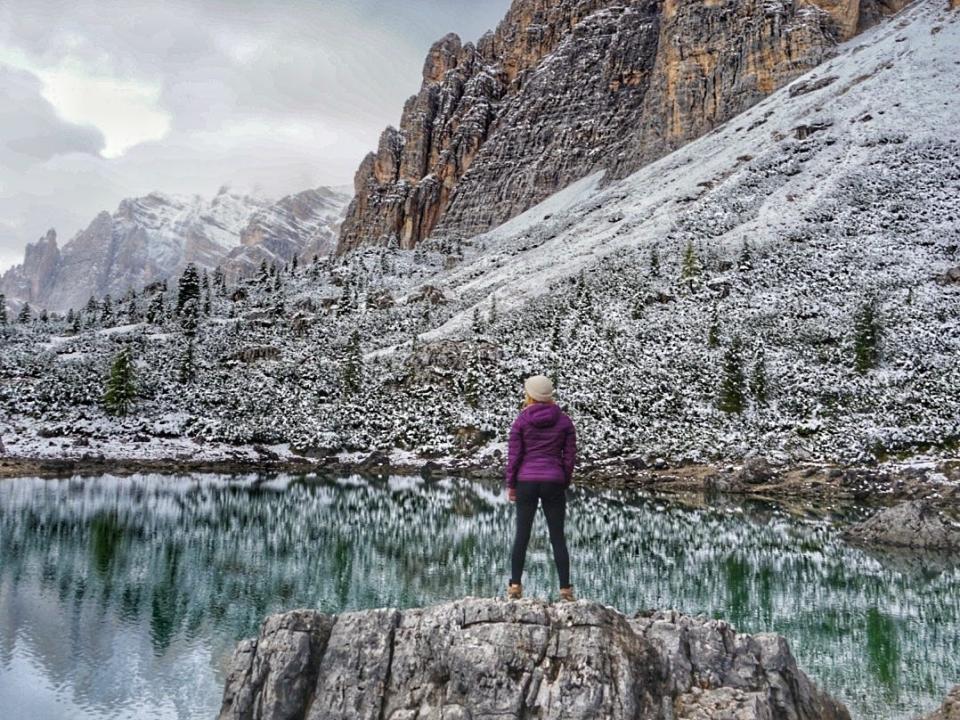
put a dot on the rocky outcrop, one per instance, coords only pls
(950, 710)
(152, 238)
(918, 524)
(299, 226)
(479, 658)
(564, 88)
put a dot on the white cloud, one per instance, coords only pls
(186, 96)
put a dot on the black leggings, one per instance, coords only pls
(553, 497)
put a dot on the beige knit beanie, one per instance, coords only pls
(539, 387)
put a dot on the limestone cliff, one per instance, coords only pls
(567, 87)
(496, 659)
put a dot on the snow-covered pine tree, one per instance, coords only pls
(731, 397)
(190, 318)
(351, 375)
(691, 267)
(745, 262)
(188, 288)
(187, 370)
(219, 281)
(77, 325)
(3, 310)
(713, 334)
(155, 310)
(25, 315)
(476, 323)
(106, 312)
(121, 388)
(867, 332)
(91, 311)
(473, 380)
(44, 316)
(758, 378)
(654, 270)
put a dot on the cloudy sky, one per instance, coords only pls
(101, 100)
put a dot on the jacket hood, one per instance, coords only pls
(543, 415)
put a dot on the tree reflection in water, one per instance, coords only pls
(119, 595)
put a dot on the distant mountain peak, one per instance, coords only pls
(152, 237)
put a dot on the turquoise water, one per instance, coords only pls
(123, 597)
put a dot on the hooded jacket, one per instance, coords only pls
(542, 447)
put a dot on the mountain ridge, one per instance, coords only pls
(152, 238)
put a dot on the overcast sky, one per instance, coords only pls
(104, 100)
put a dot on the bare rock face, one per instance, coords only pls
(479, 658)
(564, 88)
(916, 524)
(950, 710)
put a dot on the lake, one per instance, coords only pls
(124, 597)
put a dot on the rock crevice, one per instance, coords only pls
(478, 658)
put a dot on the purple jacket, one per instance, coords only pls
(543, 446)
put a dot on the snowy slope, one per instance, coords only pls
(898, 83)
(742, 265)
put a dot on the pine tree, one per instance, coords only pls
(654, 262)
(121, 388)
(493, 310)
(3, 310)
(713, 334)
(91, 311)
(867, 333)
(731, 398)
(70, 317)
(219, 281)
(106, 312)
(473, 381)
(476, 323)
(155, 310)
(44, 316)
(758, 380)
(691, 264)
(26, 315)
(187, 370)
(77, 323)
(188, 289)
(746, 257)
(207, 302)
(189, 318)
(294, 264)
(351, 377)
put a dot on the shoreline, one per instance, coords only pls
(880, 485)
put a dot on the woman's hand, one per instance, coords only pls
(512, 494)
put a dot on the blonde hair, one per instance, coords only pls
(528, 401)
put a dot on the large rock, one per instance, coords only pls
(564, 88)
(479, 659)
(950, 710)
(916, 524)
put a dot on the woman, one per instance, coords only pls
(542, 453)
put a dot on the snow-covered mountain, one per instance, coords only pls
(802, 260)
(153, 237)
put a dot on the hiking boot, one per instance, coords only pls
(514, 591)
(566, 594)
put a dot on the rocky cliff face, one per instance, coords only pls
(301, 226)
(496, 659)
(566, 87)
(152, 238)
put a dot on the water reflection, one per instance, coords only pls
(124, 597)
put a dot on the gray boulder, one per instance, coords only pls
(950, 710)
(479, 659)
(916, 524)
(756, 471)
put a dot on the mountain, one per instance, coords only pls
(565, 88)
(152, 238)
(787, 285)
